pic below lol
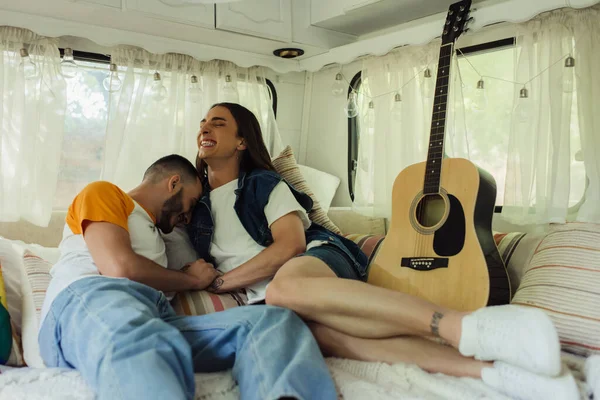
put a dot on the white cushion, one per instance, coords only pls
(322, 184)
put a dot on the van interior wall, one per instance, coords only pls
(325, 135)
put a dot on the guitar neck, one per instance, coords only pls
(437, 135)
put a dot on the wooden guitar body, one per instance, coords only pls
(440, 246)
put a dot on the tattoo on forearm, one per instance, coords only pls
(216, 284)
(435, 323)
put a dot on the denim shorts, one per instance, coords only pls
(336, 259)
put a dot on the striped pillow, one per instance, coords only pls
(563, 279)
(516, 250)
(286, 166)
(37, 272)
(202, 302)
(367, 243)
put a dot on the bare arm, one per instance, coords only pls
(110, 247)
(289, 240)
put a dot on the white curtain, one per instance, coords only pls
(31, 126)
(394, 136)
(550, 126)
(143, 128)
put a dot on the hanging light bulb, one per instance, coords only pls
(480, 99)
(112, 83)
(195, 90)
(230, 92)
(568, 84)
(68, 66)
(427, 84)
(338, 89)
(397, 108)
(351, 107)
(28, 67)
(523, 109)
(158, 91)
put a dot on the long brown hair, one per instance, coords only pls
(256, 155)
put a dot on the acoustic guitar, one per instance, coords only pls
(440, 245)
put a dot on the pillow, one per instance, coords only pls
(10, 344)
(516, 250)
(285, 165)
(34, 286)
(563, 279)
(367, 243)
(323, 185)
(201, 302)
(12, 265)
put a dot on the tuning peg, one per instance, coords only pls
(466, 30)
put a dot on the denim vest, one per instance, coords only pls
(252, 195)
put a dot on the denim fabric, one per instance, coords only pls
(127, 342)
(252, 195)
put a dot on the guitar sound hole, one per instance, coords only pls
(431, 210)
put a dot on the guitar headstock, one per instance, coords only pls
(456, 21)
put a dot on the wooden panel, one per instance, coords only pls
(202, 15)
(264, 18)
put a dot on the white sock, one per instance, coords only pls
(592, 374)
(524, 385)
(520, 336)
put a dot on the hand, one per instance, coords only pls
(205, 273)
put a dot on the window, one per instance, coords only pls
(353, 137)
(488, 115)
(489, 108)
(85, 126)
(85, 130)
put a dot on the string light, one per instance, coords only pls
(397, 107)
(480, 101)
(68, 66)
(568, 77)
(481, 96)
(158, 91)
(351, 108)
(338, 89)
(112, 83)
(26, 66)
(427, 84)
(523, 108)
(230, 93)
(195, 90)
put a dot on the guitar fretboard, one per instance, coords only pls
(435, 153)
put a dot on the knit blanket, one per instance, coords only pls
(355, 380)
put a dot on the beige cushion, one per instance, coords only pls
(200, 302)
(286, 166)
(563, 279)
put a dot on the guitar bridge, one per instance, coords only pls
(424, 263)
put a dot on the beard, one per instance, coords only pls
(172, 207)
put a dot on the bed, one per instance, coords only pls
(354, 379)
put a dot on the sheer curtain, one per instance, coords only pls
(144, 126)
(32, 125)
(550, 126)
(394, 135)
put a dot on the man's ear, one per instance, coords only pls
(174, 181)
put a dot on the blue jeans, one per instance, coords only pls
(127, 342)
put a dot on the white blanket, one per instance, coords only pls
(355, 381)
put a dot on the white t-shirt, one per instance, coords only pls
(232, 245)
(101, 202)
